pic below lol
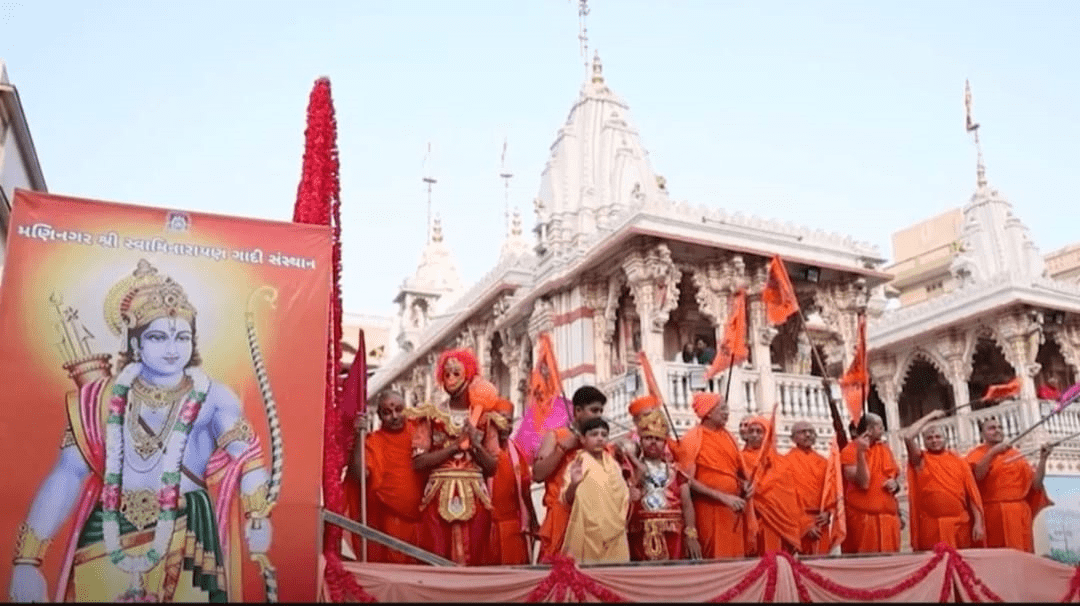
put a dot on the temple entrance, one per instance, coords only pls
(686, 324)
(626, 341)
(925, 389)
(1055, 375)
(498, 373)
(876, 405)
(988, 367)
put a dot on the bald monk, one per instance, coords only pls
(777, 504)
(557, 450)
(394, 488)
(808, 469)
(719, 481)
(870, 487)
(944, 502)
(1012, 494)
(513, 517)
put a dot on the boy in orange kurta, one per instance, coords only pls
(1012, 493)
(513, 518)
(558, 448)
(394, 488)
(808, 470)
(944, 502)
(776, 503)
(718, 481)
(870, 487)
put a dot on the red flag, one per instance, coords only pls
(779, 294)
(855, 384)
(545, 407)
(733, 348)
(1001, 391)
(354, 393)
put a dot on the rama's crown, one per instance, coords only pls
(143, 297)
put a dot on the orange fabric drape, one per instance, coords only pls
(855, 384)
(779, 294)
(776, 502)
(940, 494)
(509, 486)
(733, 349)
(807, 475)
(394, 491)
(716, 462)
(873, 524)
(1009, 500)
(553, 529)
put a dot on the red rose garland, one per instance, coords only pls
(564, 579)
(1074, 586)
(869, 594)
(750, 578)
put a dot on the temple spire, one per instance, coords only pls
(973, 127)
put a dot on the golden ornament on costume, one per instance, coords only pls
(140, 507)
(29, 548)
(144, 297)
(648, 418)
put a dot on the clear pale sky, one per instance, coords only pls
(845, 116)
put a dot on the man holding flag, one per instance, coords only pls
(819, 490)
(870, 475)
(776, 502)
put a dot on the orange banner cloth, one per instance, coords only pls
(1009, 502)
(873, 524)
(807, 475)
(733, 349)
(779, 294)
(1001, 391)
(940, 493)
(712, 458)
(855, 384)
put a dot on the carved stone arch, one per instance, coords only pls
(1068, 339)
(957, 348)
(920, 352)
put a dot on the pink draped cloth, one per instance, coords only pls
(1012, 575)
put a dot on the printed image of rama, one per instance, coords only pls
(161, 472)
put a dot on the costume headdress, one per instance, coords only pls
(464, 356)
(142, 297)
(648, 418)
(704, 402)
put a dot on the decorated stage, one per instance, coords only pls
(945, 575)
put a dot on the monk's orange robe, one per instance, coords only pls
(873, 522)
(1010, 502)
(716, 462)
(777, 505)
(941, 494)
(394, 491)
(808, 477)
(557, 514)
(510, 507)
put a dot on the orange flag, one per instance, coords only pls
(779, 294)
(1003, 390)
(733, 348)
(855, 384)
(650, 378)
(544, 382)
(833, 491)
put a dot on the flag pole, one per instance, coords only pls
(363, 481)
(834, 412)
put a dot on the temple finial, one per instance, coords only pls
(436, 230)
(973, 127)
(597, 68)
(429, 180)
(583, 33)
(505, 174)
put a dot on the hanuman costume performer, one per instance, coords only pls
(151, 463)
(450, 441)
(663, 513)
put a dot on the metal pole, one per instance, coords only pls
(363, 484)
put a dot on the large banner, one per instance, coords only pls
(161, 415)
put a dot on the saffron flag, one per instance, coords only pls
(1000, 391)
(779, 294)
(546, 408)
(650, 378)
(833, 492)
(855, 384)
(733, 348)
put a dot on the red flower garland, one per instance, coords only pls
(947, 584)
(770, 578)
(972, 584)
(1074, 586)
(869, 594)
(750, 578)
(565, 578)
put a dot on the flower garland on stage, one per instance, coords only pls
(168, 495)
(565, 579)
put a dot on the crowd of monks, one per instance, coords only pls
(449, 479)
